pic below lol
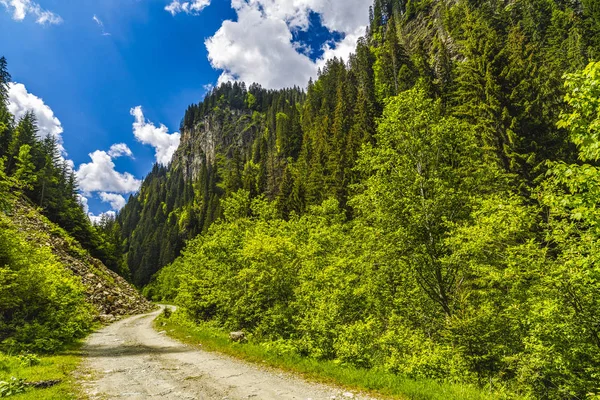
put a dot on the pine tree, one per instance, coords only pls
(6, 119)
(478, 93)
(392, 58)
(25, 169)
(24, 133)
(5, 79)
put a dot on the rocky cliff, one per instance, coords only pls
(220, 132)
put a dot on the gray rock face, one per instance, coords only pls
(220, 131)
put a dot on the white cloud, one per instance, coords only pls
(116, 201)
(342, 48)
(188, 7)
(101, 25)
(21, 101)
(228, 77)
(100, 176)
(84, 203)
(258, 49)
(95, 219)
(20, 9)
(258, 46)
(208, 87)
(120, 149)
(339, 15)
(146, 132)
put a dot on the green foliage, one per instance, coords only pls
(35, 168)
(5, 185)
(12, 387)
(25, 168)
(29, 360)
(42, 306)
(446, 272)
(166, 313)
(583, 122)
(570, 195)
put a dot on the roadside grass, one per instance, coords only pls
(374, 382)
(60, 366)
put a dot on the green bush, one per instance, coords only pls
(42, 305)
(29, 360)
(12, 387)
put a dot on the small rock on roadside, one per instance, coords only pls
(237, 336)
(106, 318)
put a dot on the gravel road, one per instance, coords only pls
(129, 359)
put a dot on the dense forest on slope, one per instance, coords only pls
(51, 288)
(427, 207)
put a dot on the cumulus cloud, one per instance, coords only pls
(339, 15)
(84, 203)
(258, 46)
(20, 9)
(120, 149)
(188, 7)
(100, 176)
(116, 201)
(343, 48)
(21, 102)
(99, 22)
(146, 132)
(208, 87)
(95, 219)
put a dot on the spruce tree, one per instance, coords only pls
(25, 170)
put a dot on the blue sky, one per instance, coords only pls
(91, 64)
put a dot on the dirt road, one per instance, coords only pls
(129, 359)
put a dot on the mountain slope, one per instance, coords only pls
(109, 294)
(233, 139)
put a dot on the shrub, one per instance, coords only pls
(42, 304)
(29, 360)
(12, 387)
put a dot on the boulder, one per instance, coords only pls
(237, 336)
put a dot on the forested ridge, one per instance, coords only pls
(426, 207)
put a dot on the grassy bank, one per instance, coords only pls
(59, 367)
(375, 382)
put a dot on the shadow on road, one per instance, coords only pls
(120, 350)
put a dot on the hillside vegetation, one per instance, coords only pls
(427, 208)
(51, 289)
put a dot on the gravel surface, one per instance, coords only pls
(129, 359)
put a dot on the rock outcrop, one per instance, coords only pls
(219, 132)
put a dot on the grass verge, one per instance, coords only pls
(374, 382)
(60, 366)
